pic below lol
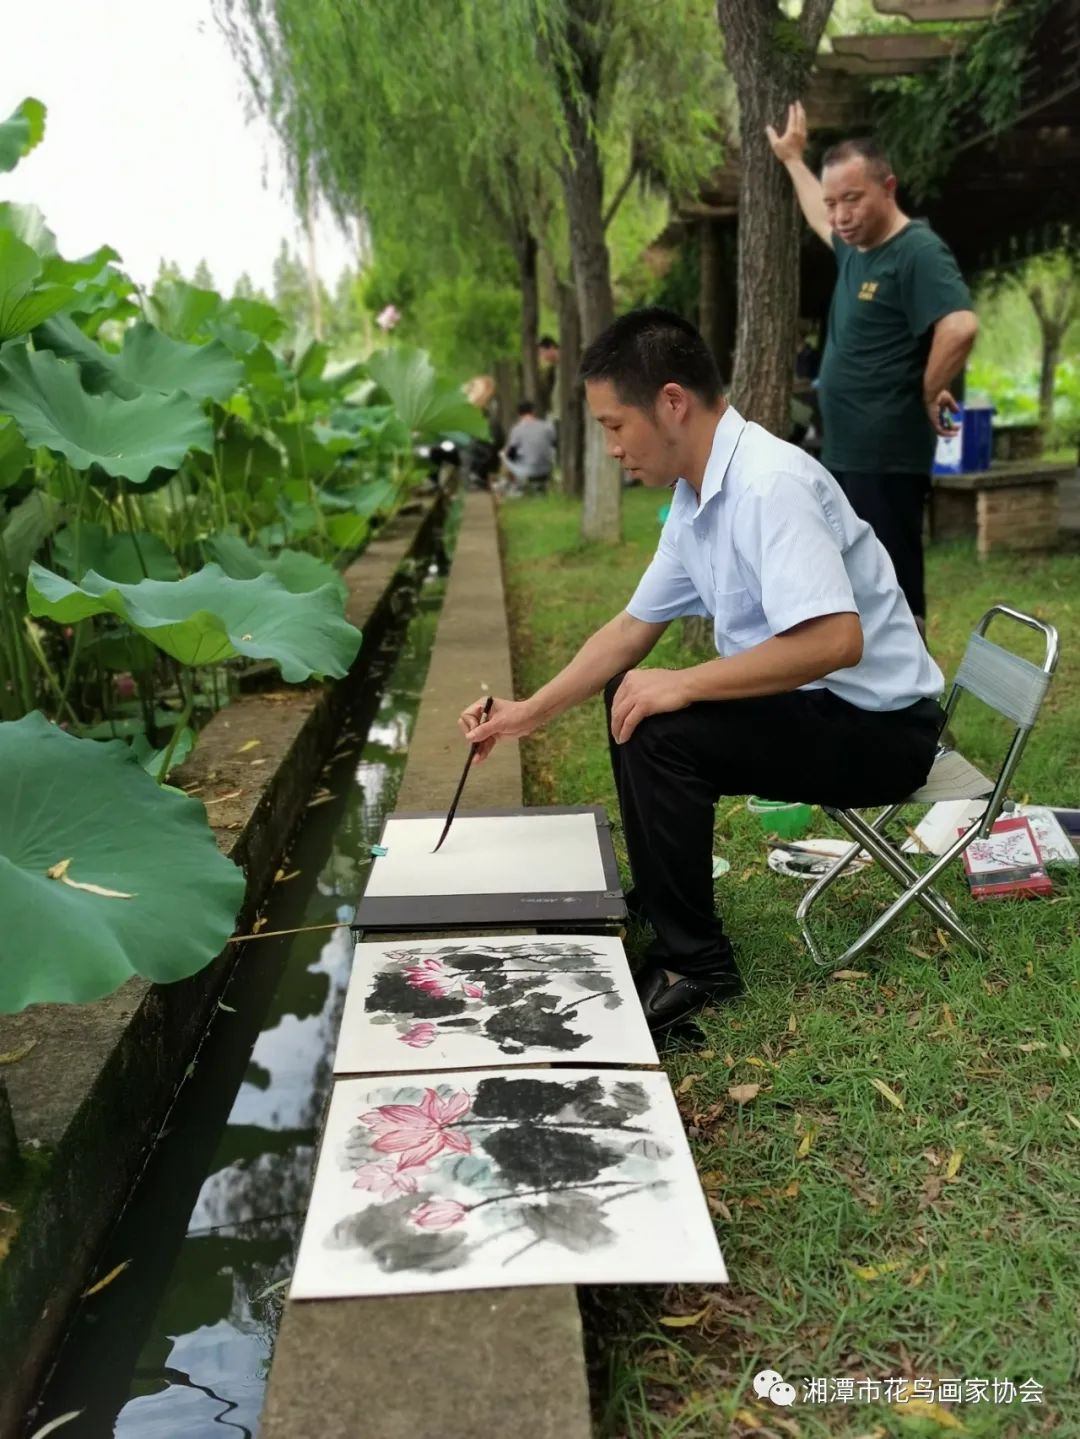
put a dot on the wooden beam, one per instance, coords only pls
(955, 10)
(905, 47)
(856, 65)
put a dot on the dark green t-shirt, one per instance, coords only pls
(884, 307)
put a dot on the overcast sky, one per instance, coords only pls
(147, 145)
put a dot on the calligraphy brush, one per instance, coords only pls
(464, 776)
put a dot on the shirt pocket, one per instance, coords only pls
(738, 618)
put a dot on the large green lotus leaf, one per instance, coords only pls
(183, 310)
(245, 460)
(93, 805)
(118, 557)
(27, 528)
(241, 323)
(27, 223)
(427, 405)
(348, 532)
(20, 132)
(25, 299)
(298, 571)
(208, 617)
(14, 456)
(304, 452)
(127, 438)
(153, 760)
(264, 373)
(63, 337)
(153, 361)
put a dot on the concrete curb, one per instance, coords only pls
(479, 1364)
(98, 1082)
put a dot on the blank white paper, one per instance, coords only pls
(477, 1000)
(485, 1179)
(497, 854)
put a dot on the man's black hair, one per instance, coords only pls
(545, 342)
(647, 349)
(526, 407)
(862, 147)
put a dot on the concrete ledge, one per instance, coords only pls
(99, 1079)
(479, 1364)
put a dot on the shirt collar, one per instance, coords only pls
(728, 431)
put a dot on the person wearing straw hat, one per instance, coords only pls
(822, 691)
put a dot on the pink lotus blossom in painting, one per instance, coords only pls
(438, 1214)
(420, 1035)
(385, 1179)
(473, 988)
(418, 1132)
(430, 975)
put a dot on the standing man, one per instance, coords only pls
(900, 327)
(824, 691)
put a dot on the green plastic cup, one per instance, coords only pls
(788, 819)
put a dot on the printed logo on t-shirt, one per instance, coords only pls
(868, 289)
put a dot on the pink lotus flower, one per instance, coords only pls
(388, 317)
(420, 1035)
(123, 686)
(438, 1214)
(385, 1179)
(419, 1131)
(473, 988)
(429, 975)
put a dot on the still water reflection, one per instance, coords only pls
(179, 1345)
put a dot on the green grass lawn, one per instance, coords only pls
(933, 1234)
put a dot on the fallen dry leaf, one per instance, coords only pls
(1033, 1046)
(792, 1024)
(249, 744)
(60, 871)
(683, 1321)
(719, 1207)
(947, 1016)
(874, 1271)
(952, 1169)
(806, 1141)
(12, 1056)
(926, 1409)
(931, 1190)
(687, 1083)
(918, 953)
(744, 1093)
(282, 878)
(221, 798)
(1073, 1120)
(112, 1274)
(849, 974)
(889, 1094)
(752, 1059)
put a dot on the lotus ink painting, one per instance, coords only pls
(481, 1180)
(472, 1002)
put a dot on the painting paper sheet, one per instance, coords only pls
(474, 1181)
(494, 854)
(474, 1001)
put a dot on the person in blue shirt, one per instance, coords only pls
(822, 689)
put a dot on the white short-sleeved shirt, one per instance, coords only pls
(775, 542)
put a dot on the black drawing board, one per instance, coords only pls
(547, 866)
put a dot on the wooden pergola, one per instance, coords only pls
(1004, 197)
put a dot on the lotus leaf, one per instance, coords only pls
(298, 571)
(20, 132)
(154, 362)
(427, 405)
(119, 557)
(25, 298)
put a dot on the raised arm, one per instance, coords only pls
(788, 149)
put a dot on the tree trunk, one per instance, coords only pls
(571, 395)
(769, 56)
(1051, 356)
(709, 291)
(506, 392)
(583, 187)
(530, 319)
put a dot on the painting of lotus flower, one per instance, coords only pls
(485, 1179)
(470, 1002)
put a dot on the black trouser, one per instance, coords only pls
(808, 745)
(893, 505)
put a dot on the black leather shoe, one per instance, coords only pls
(667, 1005)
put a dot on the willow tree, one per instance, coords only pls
(769, 54)
(458, 124)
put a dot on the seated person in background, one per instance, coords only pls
(824, 691)
(530, 450)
